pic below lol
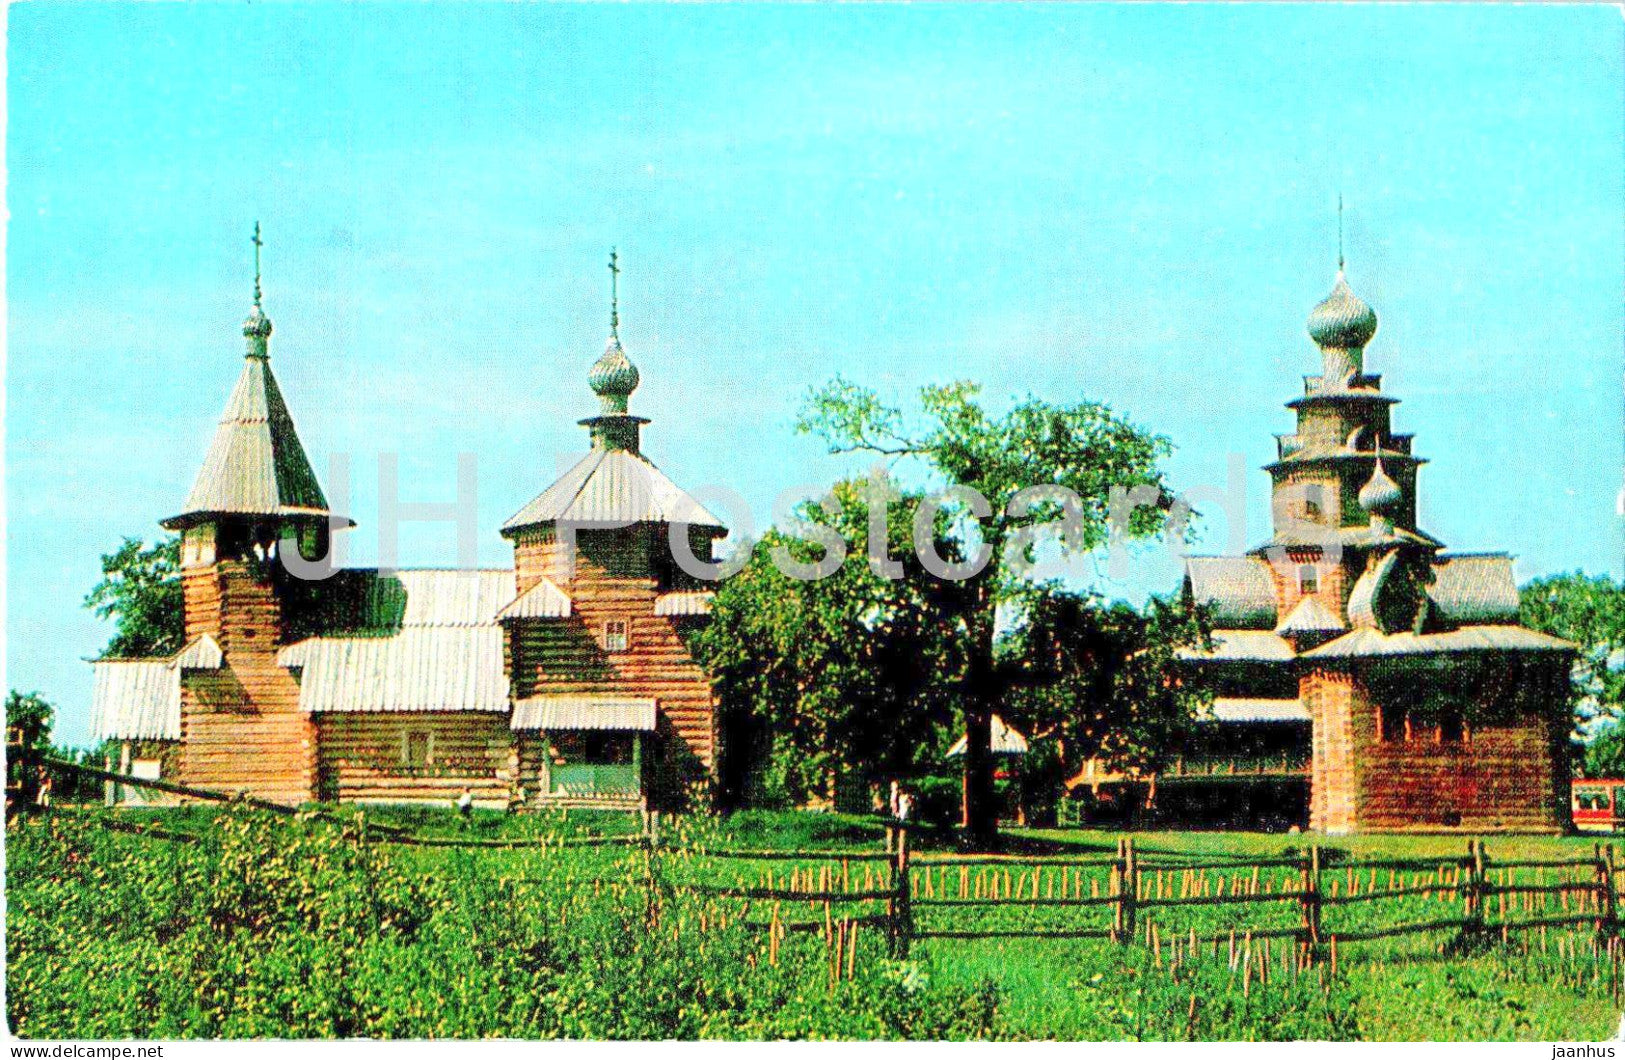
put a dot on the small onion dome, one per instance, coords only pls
(258, 325)
(1380, 494)
(1341, 321)
(613, 377)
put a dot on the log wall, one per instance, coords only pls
(609, 580)
(241, 726)
(361, 758)
(1509, 775)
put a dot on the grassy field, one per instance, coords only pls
(266, 927)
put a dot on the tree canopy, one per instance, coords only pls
(140, 592)
(1590, 611)
(843, 675)
(1079, 470)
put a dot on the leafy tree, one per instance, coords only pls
(1590, 611)
(1083, 447)
(1101, 679)
(140, 592)
(30, 715)
(1605, 753)
(844, 674)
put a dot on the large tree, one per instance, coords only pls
(140, 592)
(1590, 611)
(1085, 448)
(823, 668)
(1099, 678)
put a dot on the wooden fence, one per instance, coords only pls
(904, 894)
(1140, 895)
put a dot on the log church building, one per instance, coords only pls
(1365, 679)
(562, 681)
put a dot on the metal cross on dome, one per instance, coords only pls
(258, 243)
(614, 293)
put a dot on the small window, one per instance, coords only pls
(1394, 724)
(1311, 509)
(616, 636)
(417, 747)
(1308, 579)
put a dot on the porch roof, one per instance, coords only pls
(583, 712)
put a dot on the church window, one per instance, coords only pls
(616, 635)
(1308, 580)
(417, 747)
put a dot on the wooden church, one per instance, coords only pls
(563, 681)
(1366, 679)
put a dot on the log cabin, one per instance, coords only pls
(562, 681)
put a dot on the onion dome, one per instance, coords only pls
(613, 377)
(1342, 320)
(1381, 494)
(258, 325)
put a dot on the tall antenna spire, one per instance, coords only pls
(1339, 231)
(614, 294)
(257, 244)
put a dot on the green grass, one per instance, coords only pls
(272, 927)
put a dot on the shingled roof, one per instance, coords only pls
(1470, 589)
(1367, 643)
(255, 465)
(1239, 590)
(612, 487)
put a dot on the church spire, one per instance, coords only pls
(256, 469)
(257, 328)
(613, 377)
(614, 295)
(1339, 233)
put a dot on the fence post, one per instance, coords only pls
(899, 913)
(904, 896)
(1130, 896)
(1473, 897)
(1609, 896)
(1114, 887)
(1312, 902)
(1605, 891)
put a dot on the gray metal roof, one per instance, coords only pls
(1239, 590)
(365, 602)
(202, 654)
(255, 466)
(1311, 616)
(583, 712)
(423, 668)
(684, 603)
(136, 699)
(1239, 709)
(1475, 589)
(542, 600)
(1367, 643)
(612, 487)
(1244, 645)
(420, 640)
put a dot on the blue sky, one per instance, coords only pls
(1129, 204)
